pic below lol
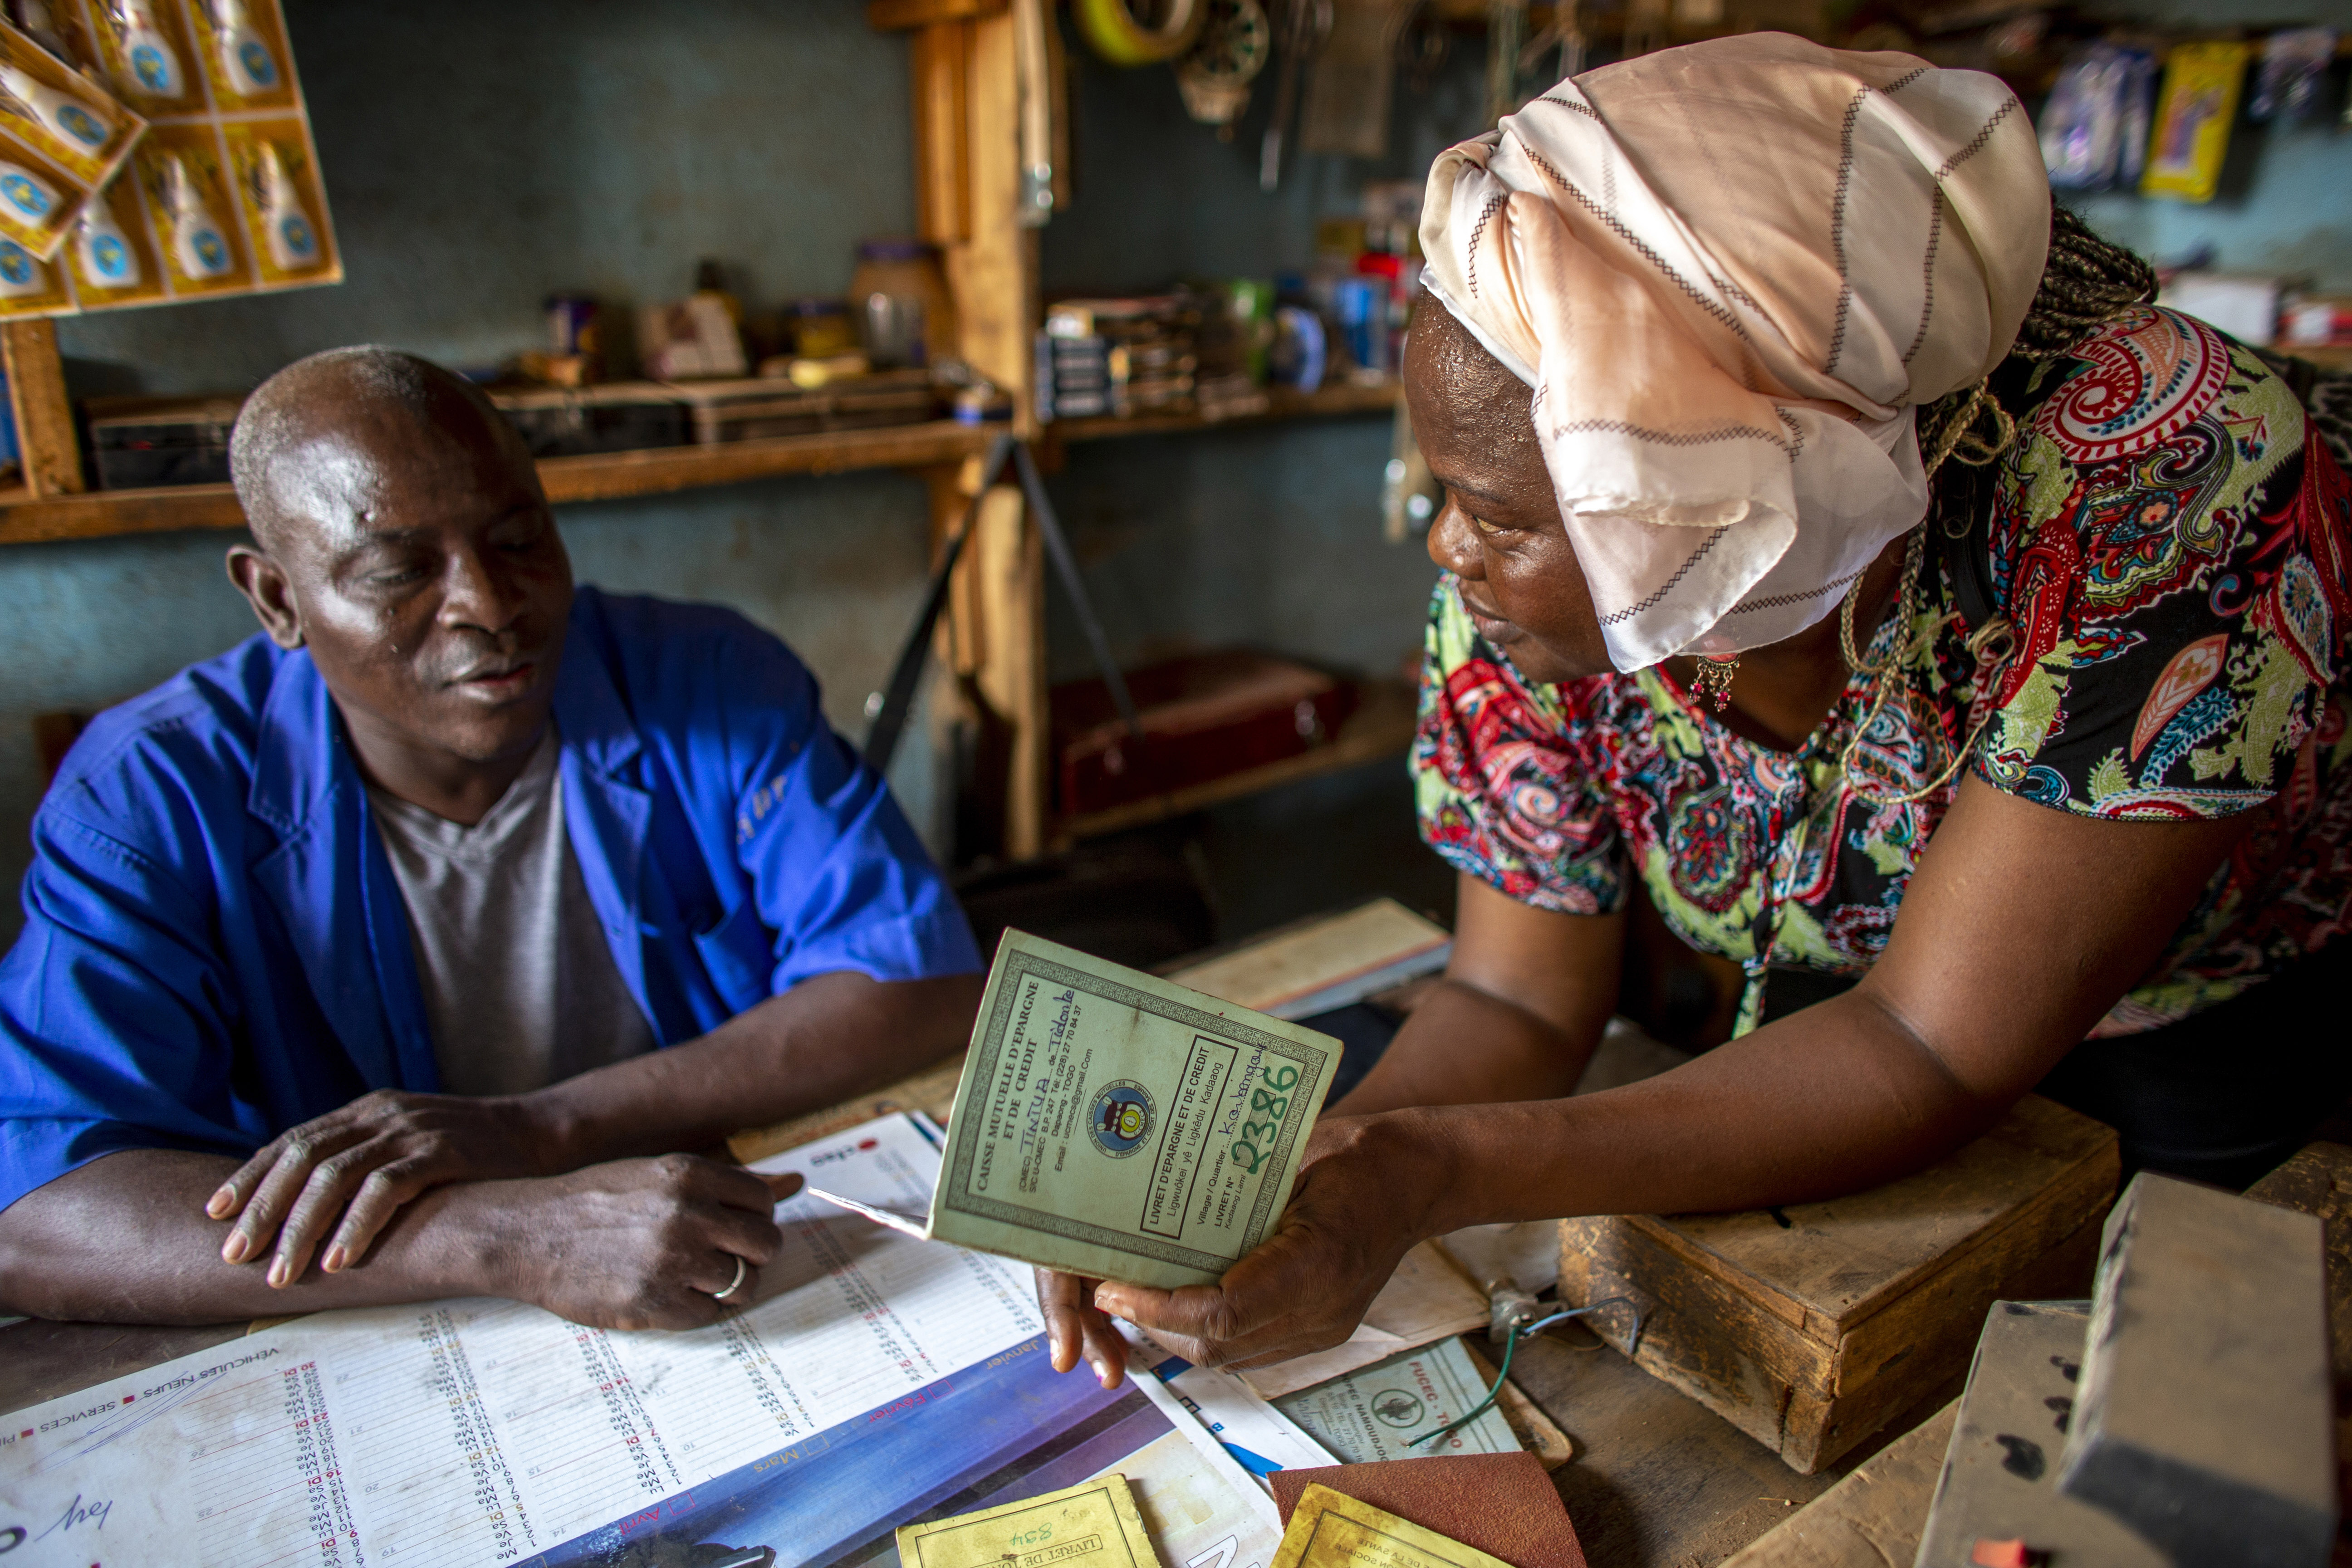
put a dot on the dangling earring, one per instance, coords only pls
(1712, 678)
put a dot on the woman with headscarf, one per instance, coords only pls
(1851, 576)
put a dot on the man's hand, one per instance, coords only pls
(631, 1244)
(1365, 1190)
(363, 1162)
(636, 1244)
(788, 1054)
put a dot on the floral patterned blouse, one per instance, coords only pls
(2173, 554)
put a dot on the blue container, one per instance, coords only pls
(1361, 305)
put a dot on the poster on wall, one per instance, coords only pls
(220, 196)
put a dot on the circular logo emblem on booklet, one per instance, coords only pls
(1122, 1118)
(1397, 1407)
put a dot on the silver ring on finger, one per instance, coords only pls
(743, 1269)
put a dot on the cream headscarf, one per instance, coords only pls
(1732, 271)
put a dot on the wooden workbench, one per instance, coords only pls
(1657, 1478)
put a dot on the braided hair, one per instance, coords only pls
(2085, 284)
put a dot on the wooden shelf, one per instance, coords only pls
(1382, 726)
(1281, 403)
(605, 476)
(609, 475)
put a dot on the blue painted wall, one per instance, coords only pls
(2285, 208)
(1263, 535)
(479, 157)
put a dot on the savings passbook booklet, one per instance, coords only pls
(1097, 1520)
(1111, 1124)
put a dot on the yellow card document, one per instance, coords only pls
(1331, 1530)
(1091, 1525)
(1114, 1125)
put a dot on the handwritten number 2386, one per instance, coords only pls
(1270, 1100)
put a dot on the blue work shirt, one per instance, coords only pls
(215, 949)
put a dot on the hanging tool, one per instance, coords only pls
(1301, 27)
(1507, 24)
(1215, 77)
(1565, 31)
(1110, 26)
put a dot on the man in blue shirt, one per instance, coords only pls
(447, 825)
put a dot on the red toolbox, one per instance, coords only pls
(1205, 716)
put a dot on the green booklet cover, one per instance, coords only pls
(1114, 1125)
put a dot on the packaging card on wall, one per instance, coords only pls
(242, 44)
(2193, 115)
(143, 47)
(224, 194)
(278, 193)
(2291, 83)
(69, 121)
(2094, 128)
(60, 138)
(182, 174)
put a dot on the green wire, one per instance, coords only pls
(1511, 1343)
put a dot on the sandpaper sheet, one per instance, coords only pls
(1503, 1504)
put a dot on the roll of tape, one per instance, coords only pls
(1112, 31)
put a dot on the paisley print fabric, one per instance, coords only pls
(2173, 554)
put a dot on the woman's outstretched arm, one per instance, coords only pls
(2020, 928)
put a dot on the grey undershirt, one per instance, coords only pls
(519, 987)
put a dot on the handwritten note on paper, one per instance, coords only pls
(481, 1431)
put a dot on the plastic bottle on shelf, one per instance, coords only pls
(710, 283)
(900, 294)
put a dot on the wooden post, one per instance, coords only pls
(994, 272)
(941, 58)
(50, 453)
(967, 85)
(1007, 562)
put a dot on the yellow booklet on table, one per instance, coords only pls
(1111, 1124)
(1096, 1520)
(1331, 1530)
